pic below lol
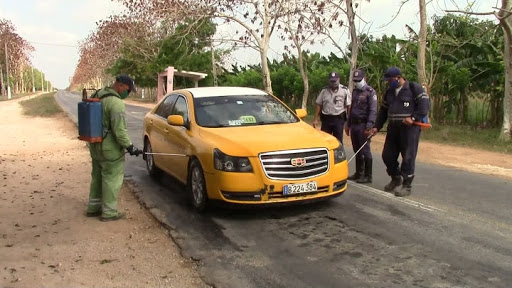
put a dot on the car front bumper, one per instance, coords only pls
(255, 188)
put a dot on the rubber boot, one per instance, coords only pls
(359, 170)
(395, 182)
(367, 178)
(405, 190)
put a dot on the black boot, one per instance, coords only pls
(359, 169)
(405, 190)
(395, 182)
(367, 178)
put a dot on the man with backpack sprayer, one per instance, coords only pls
(108, 154)
(404, 106)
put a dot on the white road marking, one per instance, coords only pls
(406, 201)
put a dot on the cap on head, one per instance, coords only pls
(392, 72)
(358, 75)
(125, 79)
(334, 76)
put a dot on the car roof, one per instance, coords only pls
(203, 92)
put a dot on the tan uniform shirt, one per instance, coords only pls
(334, 102)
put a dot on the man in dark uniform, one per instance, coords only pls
(332, 107)
(403, 104)
(361, 120)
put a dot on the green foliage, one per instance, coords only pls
(41, 106)
(468, 58)
(188, 48)
(245, 78)
(464, 55)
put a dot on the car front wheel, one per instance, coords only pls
(150, 161)
(197, 186)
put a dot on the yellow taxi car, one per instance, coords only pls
(242, 146)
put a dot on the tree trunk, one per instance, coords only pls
(305, 80)
(267, 82)
(1, 81)
(265, 41)
(465, 106)
(422, 45)
(354, 43)
(506, 25)
(214, 64)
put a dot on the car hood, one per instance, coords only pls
(252, 140)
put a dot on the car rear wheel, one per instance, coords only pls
(150, 161)
(196, 186)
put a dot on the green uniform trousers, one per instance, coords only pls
(107, 178)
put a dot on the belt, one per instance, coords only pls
(357, 121)
(342, 115)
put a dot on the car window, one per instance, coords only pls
(180, 108)
(243, 110)
(165, 108)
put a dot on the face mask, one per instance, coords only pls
(124, 94)
(360, 85)
(334, 84)
(394, 84)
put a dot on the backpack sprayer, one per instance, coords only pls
(90, 119)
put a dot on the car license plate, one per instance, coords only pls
(290, 189)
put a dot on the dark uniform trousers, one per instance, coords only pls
(357, 128)
(401, 140)
(333, 124)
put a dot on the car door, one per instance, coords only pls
(177, 141)
(158, 130)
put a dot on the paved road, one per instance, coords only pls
(454, 231)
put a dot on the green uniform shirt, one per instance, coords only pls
(116, 138)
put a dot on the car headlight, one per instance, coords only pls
(228, 163)
(339, 154)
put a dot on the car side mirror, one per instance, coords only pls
(301, 113)
(176, 120)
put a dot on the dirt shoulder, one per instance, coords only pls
(46, 240)
(467, 159)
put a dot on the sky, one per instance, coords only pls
(55, 27)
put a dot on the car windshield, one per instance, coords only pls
(244, 110)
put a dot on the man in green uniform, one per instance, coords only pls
(108, 156)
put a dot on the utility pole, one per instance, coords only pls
(7, 71)
(42, 83)
(33, 83)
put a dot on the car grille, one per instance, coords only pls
(295, 164)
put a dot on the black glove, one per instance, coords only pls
(133, 150)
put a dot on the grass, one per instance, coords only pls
(145, 100)
(467, 136)
(4, 97)
(42, 106)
